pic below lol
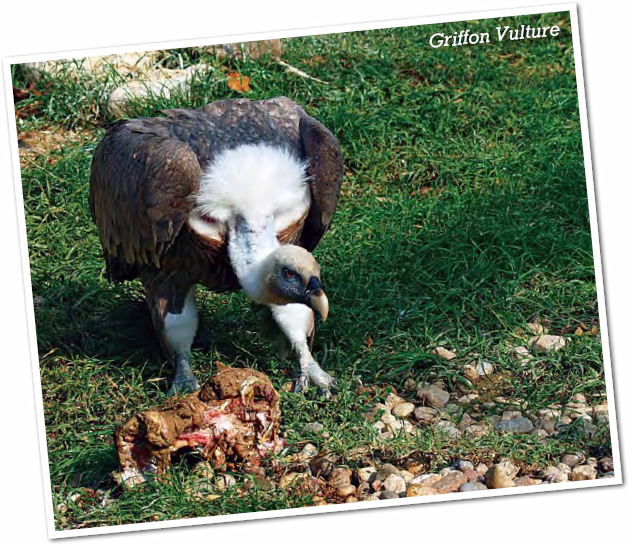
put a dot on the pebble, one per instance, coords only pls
(372, 413)
(366, 474)
(577, 409)
(288, 479)
(477, 430)
(351, 498)
(600, 413)
(451, 409)
(462, 465)
(224, 481)
(346, 491)
(467, 398)
(389, 419)
(509, 467)
(204, 470)
(444, 353)
(314, 428)
(416, 467)
(395, 484)
(426, 415)
(420, 490)
(262, 483)
(482, 468)
(521, 355)
(308, 452)
(573, 459)
(546, 344)
(410, 385)
(579, 398)
(379, 426)
(449, 429)
(472, 475)
(406, 475)
(387, 495)
(363, 490)
(393, 400)
(451, 482)
(470, 373)
(589, 428)
(466, 420)
(433, 396)
(536, 329)
(472, 486)
(385, 471)
(583, 472)
(515, 425)
(540, 434)
(563, 467)
(606, 464)
(340, 477)
(426, 479)
(552, 474)
(407, 426)
(484, 368)
(403, 410)
(526, 480)
(546, 423)
(321, 466)
(498, 477)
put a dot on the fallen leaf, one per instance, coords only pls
(238, 82)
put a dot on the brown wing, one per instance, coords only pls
(326, 171)
(140, 193)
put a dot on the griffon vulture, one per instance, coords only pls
(232, 195)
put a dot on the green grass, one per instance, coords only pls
(463, 216)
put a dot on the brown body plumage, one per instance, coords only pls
(146, 175)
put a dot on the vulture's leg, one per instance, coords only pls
(297, 323)
(174, 314)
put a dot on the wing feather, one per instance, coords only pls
(141, 184)
(323, 153)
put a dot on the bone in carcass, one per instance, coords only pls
(235, 416)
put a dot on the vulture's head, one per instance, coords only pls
(291, 275)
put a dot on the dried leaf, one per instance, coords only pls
(238, 82)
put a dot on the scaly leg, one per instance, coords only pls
(297, 323)
(174, 313)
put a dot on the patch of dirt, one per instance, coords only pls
(47, 143)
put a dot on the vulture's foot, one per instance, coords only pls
(185, 381)
(182, 385)
(312, 374)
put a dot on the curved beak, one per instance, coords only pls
(316, 298)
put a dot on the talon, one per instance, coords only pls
(301, 384)
(183, 385)
(312, 374)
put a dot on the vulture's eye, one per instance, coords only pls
(288, 274)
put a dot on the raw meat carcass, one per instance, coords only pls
(235, 416)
